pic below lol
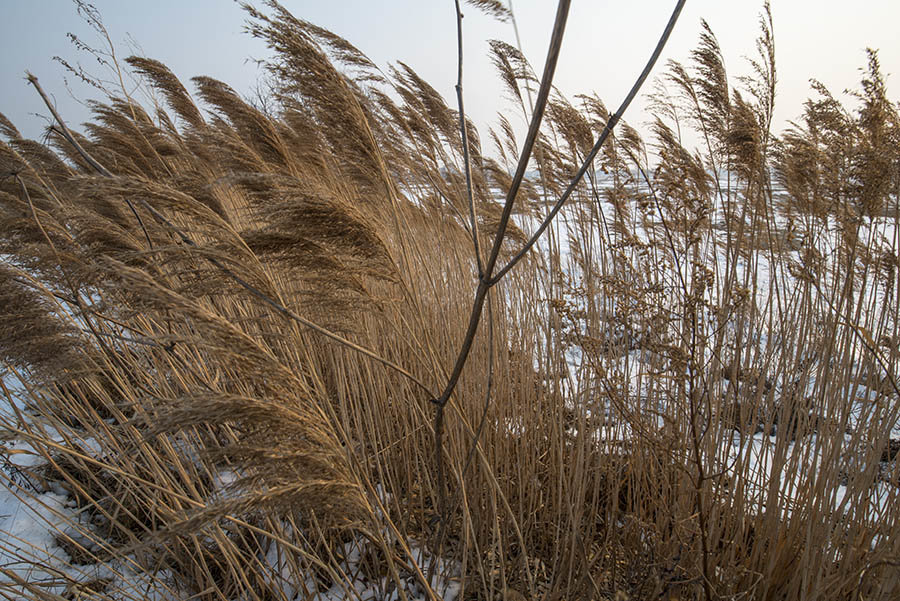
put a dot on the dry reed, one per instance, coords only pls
(689, 392)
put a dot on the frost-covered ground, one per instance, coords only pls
(33, 511)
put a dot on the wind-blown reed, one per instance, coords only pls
(686, 304)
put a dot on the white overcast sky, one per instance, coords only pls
(606, 44)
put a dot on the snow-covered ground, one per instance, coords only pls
(34, 511)
(864, 415)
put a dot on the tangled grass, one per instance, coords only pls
(689, 392)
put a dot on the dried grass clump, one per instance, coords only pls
(230, 319)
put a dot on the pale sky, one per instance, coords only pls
(606, 44)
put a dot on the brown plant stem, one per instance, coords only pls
(464, 133)
(484, 282)
(488, 280)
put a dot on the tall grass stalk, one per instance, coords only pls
(227, 320)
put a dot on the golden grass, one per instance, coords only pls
(151, 364)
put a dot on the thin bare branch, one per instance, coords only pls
(610, 124)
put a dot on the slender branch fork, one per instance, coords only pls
(486, 277)
(484, 283)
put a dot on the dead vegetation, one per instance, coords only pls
(689, 392)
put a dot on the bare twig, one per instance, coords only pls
(610, 124)
(484, 283)
(488, 280)
(464, 133)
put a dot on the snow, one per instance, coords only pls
(32, 519)
(34, 512)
